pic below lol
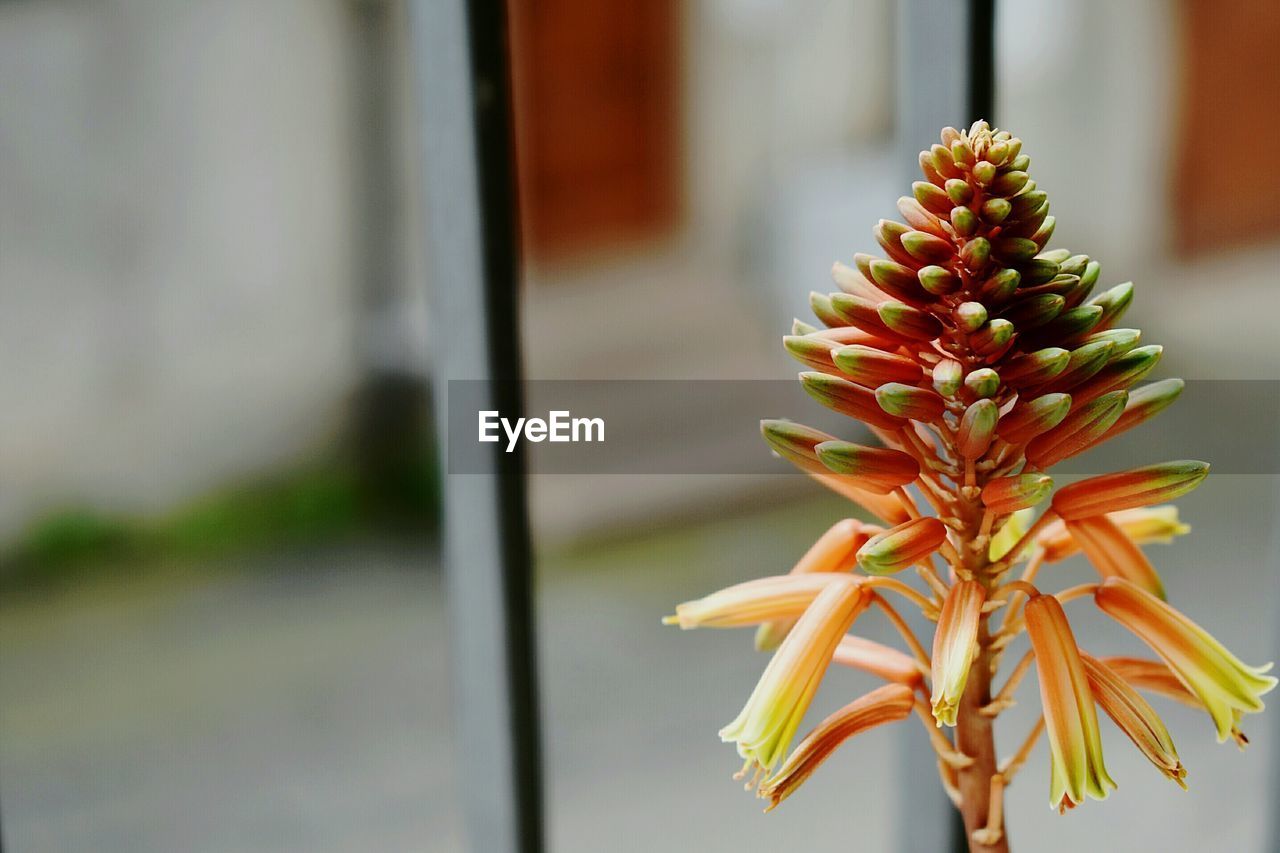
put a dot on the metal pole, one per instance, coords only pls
(462, 69)
(946, 69)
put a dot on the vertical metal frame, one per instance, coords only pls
(461, 58)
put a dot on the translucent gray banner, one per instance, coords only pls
(712, 427)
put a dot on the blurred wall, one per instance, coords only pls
(176, 224)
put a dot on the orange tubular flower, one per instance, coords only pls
(753, 602)
(887, 704)
(955, 642)
(1135, 717)
(835, 551)
(1075, 743)
(1227, 687)
(1127, 489)
(768, 722)
(1113, 553)
(870, 656)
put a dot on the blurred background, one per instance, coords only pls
(222, 623)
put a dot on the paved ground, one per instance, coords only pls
(300, 703)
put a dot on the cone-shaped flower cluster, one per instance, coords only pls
(980, 358)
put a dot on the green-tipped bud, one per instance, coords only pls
(977, 429)
(1005, 495)
(1071, 324)
(998, 152)
(1020, 162)
(902, 546)
(983, 382)
(992, 337)
(889, 235)
(795, 442)
(799, 327)
(895, 279)
(1023, 206)
(937, 280)
(1037, 367)
(1016, 250)
(1151, 484)
(812, 352)
(962, 153)
(996, 210)
(872, 368)
(1144, 404)
(848, 398)
(861, 313)
(1074, 265)
(910, 401)
(1030, 418)
(932, 198)
(910, 322)
(1035, 311)
(919, 218)
(969, 316)
(1038, 271)
(1085, 361)
(1010, 183)
(1044, 233)
(1124, 339)
(1120, 372)
(930, 172)
(984, 173)
(927, 248)
(1056, 255)
(878, 469)
(1114, 303)
(964, 221)
(855, 282)
(1079, 429)
(959, 191)
(1089, 277)
(976, 253)
(820, 304)
(997, 289)
(948, 375)
(943, 162)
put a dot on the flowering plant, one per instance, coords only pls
(980, 360)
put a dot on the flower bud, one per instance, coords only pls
(977, 429)
(820, 304)
(1119, 373)
(995, 210)
(937, 280)
(889, 235)
(928, 249)
(983, 382)
(873, 367)
(943, 162)
(1077, 430)
(969, 316)
(897, 280)
(959, 190)
(947, 377)
(1005, 495)
(984, 173)
(1114, 303)
(931, 198)
(861, 313)
(1144, 404)
(1023, 206)
(910, 401)
(1034, 368)
(976, 253)
(930, 172)
(1020, 162)
(909, 322)
(1015, 250)
(1028, 419)
(879, 470)
(800, 327)
(964, 221)
(1136, 487)
(1034, 311)
(997, 289)
(1085, 361)
(1010, 183)
(853, 282)
(992, 337)
(919, 218)
(902, 546)
(812, 352)
(847, 398)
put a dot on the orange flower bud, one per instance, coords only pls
(848, 398)
(902, 546)
(1077, 430)
(876, 469)
(1125, 489)
(1005, 495)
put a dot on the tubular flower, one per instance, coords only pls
(887, 704)
(979, 358)
(955, 642)
(1113, 553)
(768, 722)
(835, 551)
(1135, 717)
(1226, 687)
(1070, 721)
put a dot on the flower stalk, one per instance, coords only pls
(980, 358)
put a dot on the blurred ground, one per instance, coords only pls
(301, 702)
